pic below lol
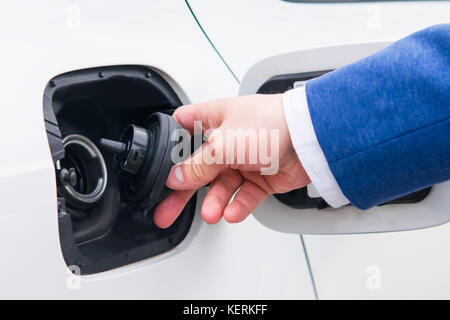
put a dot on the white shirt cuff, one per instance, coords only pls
(308, 148)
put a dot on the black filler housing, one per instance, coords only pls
(100, 103)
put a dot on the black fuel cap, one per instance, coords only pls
(145, 154)
(132, 149)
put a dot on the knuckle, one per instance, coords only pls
(197, 172)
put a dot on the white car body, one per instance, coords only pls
(257, 258)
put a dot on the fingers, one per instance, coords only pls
(168, 210)
(245, 202)
(197, 171)
(209, 113)
(216, 203)
(220, 192)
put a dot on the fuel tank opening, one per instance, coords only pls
(82, 173)
(110, 175)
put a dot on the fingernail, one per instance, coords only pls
(178, 174)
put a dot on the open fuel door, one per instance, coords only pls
(302, 210)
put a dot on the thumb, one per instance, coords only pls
(195, 172)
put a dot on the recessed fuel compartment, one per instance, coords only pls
(100, 229)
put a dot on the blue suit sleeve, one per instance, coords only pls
(383, 122)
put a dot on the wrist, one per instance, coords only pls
(308, 149)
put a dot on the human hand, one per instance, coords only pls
(230, 169)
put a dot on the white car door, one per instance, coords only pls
(122, 48)
(274, 45)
